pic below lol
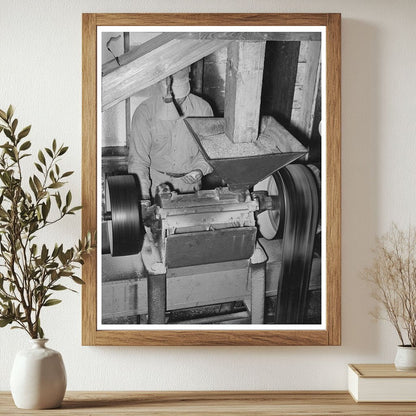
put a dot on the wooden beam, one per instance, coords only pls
(306, 87)
(256, 36)
(243, 84)
(139, 50)
(153, 66)
(159, 40)
(197, 77)
(280, 68)
(127, 106)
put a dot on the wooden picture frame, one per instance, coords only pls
(331, 334)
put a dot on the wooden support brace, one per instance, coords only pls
(243, 84)
(154, 65)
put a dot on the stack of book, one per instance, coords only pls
(381, 383)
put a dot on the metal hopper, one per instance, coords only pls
(239, 170)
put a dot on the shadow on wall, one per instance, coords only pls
(360, 185)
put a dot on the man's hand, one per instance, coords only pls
(193, 176)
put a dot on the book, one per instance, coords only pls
(381, 383)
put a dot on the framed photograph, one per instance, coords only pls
(211, 172)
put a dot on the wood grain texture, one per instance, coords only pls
(330, 336)
(380, 371)
(211, 19)
(333, 174)
(180, 403)
(244, 78)
(151, 67)
(209, 338)
(257, 36)
(280, 70)
(306, 88)
(89, 172)
(138, 51)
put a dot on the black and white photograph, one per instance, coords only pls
(212, 192)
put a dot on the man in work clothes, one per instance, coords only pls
(162, 149)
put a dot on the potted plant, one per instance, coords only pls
(31, 272)
(393, 277)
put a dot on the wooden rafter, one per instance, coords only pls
(158, 62)
(139, 50)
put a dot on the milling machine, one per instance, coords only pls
(210, 237)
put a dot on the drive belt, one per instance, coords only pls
(301, 202)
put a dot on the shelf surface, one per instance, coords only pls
(180, 403)
(211, 403)
(380, 371)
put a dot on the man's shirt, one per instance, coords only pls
(166, 145)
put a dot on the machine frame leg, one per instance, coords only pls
(156, 282)
(257, 277)
(156, 298)
(258, 290)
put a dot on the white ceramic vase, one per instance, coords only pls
(38, 377)
(405, 358)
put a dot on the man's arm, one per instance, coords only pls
(139, 150)
(200, 164)
(203, 109)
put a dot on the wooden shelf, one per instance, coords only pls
(318, 403)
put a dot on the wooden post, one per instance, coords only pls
(243, 84)
(126, 38)
(306, 87)
(197, 75)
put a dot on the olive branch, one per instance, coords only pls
(30, 274)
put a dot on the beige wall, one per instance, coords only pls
(40, 73)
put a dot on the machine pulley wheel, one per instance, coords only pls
(124, 228)
(270, 222)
